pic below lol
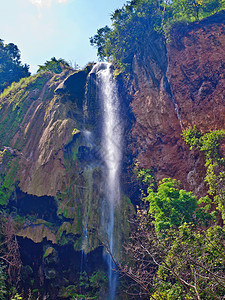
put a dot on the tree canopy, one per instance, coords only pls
(136, 22)
(11, 67)
(171, 206)
(209, 144)
(176, 250)
(54, 65)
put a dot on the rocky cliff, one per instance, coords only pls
(176, 85)
(51, 176)
(50, 169)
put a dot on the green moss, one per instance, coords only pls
(11, 175)
(36, 81)
(91, 212)
(14, 103)
(48, 251)
(123, 214)
(65, 227)
(77, 222)
(72, 149)
(70, 209)
(8, 177)
(78, 244)
(37, 233)
(52, 226)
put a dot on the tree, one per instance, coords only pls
(184, 262)
(99, 39)
(176, 251)
(136, 23)
(11, 68)
(131, 25)
(171, 206)
(209, 144)
(54, 65)
(9, 249)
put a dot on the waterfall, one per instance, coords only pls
(89, 142)
(111, 152)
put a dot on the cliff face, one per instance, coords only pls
(36, 126)
(50, 169)
(177, 85)
(196, 74)
(51, 175)
(45, 154)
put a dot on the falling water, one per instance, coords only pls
(89, 142)
(111, 140)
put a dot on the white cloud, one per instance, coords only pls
(41, 3)
(45, 3)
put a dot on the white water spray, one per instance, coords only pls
(111, 150)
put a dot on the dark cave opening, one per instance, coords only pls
(61, 268)
(44, 207)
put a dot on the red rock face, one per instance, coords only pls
(197, 76)
(195, 95)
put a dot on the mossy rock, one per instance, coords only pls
(37, 233)
(48, 252)
(65, 227)
(9, 167)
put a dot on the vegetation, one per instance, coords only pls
(137, 22)
(15, 100)
(171, 206)
(54, 65)
(177, 248)
(209, 144)
(88, 287)
(11, 68)
(3, 290)
(172, 255)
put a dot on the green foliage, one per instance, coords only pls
(181, 261)
(88, 287)
(193, 265)
(193, 10)
(209, 144)
(177, 251)
(9, 168)
(99, 40)
(145, 175)
(98, 280)
(11, 68)
(189, 261)
(54, 65)
(91, 285)
(192, 136)
(132, 25)
(170, 206)
(3, 277)
(16, 297)
(137, 22)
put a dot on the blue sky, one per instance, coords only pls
(61, 28)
